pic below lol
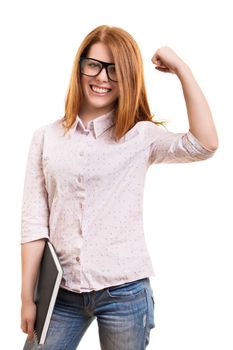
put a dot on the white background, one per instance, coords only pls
(188, 207)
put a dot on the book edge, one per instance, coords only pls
(54, 295)
(50, 309)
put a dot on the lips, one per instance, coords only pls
(100, 90)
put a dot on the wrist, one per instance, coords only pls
(27, 298)
(182, 70)
(27, 303)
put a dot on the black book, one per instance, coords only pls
(48, 283)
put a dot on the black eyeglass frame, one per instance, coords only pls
(104, 65)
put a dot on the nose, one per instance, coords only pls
(102, 75)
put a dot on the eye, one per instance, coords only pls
(91, 64)
(112, 68)
(94, 65)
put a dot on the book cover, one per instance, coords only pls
(48, 284)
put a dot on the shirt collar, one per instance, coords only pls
(99, 124)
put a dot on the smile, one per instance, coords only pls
(100, 90)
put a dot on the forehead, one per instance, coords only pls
(100, 52)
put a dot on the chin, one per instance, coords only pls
(102, 104)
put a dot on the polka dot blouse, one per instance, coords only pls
(84, 191)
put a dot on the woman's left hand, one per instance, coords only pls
(166, 60)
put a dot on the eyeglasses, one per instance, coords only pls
(92, 67)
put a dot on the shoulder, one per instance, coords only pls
(53, 127)
(150, 130)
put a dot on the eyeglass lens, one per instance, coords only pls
(92, 68)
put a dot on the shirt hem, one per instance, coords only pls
(87, 290)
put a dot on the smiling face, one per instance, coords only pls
(100, 93)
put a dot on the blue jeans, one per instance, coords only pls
(125, 316)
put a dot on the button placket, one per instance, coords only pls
(78, 249)
(81, 190)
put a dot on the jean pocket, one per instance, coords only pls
(153, 301)
(151, 308)
(130, 289)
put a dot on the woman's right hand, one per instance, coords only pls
(28, 316)
(31, 258)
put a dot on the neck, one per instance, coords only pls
(87, 114)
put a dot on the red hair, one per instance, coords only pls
(132, 104)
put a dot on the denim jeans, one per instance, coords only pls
(125, 316)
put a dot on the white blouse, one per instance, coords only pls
(84, 191)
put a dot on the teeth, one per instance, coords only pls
(99, 90)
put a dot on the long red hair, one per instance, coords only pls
(132, 104)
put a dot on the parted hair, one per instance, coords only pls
(132, 104)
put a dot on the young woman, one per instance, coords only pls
(84, 190)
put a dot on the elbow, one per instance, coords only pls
(209, 140)
(213, 145)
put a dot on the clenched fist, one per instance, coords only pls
(166, 60)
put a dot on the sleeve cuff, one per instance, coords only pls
(35, 237)
(200, 148)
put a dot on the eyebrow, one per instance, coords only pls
(94, 59)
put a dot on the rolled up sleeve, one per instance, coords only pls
(170, 147)
(35, 212)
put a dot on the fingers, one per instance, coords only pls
(28, 327)
(24, 326)
(156, 60)
(28, 316)
(30, 331)
(163, 69)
